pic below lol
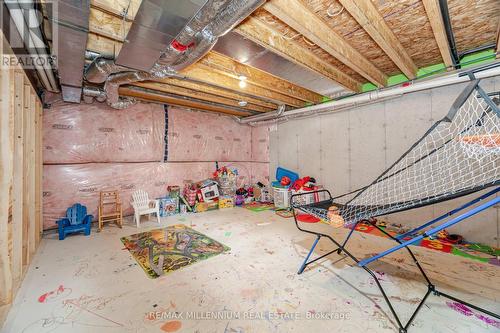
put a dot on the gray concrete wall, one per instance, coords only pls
(348, 149)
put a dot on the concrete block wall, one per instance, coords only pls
(348, 149)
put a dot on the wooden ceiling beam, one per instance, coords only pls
(198, 95)
(210, 89)
(203, 73)
(436, 20)
(299, 17)
(264, 35)
(127, 11)
(368, 17)
(232, 68)
(179, 101)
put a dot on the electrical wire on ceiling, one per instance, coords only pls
(124, 16)
(307, 41)
(285, 36)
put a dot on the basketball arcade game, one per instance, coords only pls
(459, 155)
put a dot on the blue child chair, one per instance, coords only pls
(76, 220)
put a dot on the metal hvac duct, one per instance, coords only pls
(197, 38)
(72, 22)
(155, 26)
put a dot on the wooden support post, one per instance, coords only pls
(39, 173)
(6, 167)
(31, 175)
(17, 85)
(26, 167)
(20, 184)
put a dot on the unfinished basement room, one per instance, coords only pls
(250, 166)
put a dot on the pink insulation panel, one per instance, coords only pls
(64, 185)
(87, 149)
(260, 144)
(91, 133)
(203, 136)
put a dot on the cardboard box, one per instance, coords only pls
(168, 206)
(226, 202)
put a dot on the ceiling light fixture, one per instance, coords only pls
(242, 84)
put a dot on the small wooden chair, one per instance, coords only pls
(110, 208)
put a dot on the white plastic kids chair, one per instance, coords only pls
(144, 206)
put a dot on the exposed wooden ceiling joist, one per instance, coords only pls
(218, 91)
(264, 35)
(199, 95)
(300, 18)
(110, 8)
(257, 77)
(434, 14)
(120, 8)
(203, 73)
(151, 96)
(366, 14)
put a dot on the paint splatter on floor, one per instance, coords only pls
(54, 294)
(466, 311)
(460, 308)
(171, 326)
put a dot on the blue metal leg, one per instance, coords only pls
(433, 231)
(450, 213)
(304, 264)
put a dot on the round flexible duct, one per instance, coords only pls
(215, 19)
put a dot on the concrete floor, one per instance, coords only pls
(97, 287)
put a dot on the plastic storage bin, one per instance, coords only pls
(281, 197)
(280, 173)
(303, 199)
(227, 185)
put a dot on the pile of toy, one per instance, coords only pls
(287, 183)
(226, 178)
(219, 192)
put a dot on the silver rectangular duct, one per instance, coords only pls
(155, 27)
(246, 51)
(72, 23)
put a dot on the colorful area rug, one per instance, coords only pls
(285, 213)
(475, 251)
(162, 251)
(259, 206)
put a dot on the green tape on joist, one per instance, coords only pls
(477, 58)
(466, 62)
